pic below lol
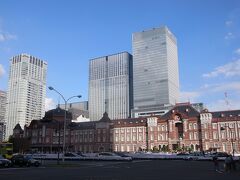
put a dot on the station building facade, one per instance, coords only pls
(181, 128)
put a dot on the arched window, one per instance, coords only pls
(163, 128)
(215, 135)
(190, 136)
(190, 126)
(195, 135)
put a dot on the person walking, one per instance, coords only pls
(227, 164)
(232, 163)
(216, 164)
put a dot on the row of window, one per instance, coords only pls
(159, 128)
(117, 130)
(55, 132)
(193, 136)
(128, 130)
(128, 138)
(192, 126)
(224, 135)
(223, 125)
(222, 147)
(140, 137)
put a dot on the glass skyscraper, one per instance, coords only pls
(155, 69)
(26, 91)
(110, 86)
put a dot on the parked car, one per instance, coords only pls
(221, 154)
(107, 154)
(80, 154)
(122, 154)
(70, 154)
(196, 156)
(24, 160)
(73, 156)
(5, 162)
(112, 156)
(182, 154)
(32, 161)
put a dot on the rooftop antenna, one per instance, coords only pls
(226, 100)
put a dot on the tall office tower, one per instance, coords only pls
(110, 86)
(155, 70)
(83, 105)
(26, 91)
(3, 100)
(79, 110)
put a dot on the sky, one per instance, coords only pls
(68, 33)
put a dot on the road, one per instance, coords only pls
(147, 169)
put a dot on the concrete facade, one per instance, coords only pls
(26, 91)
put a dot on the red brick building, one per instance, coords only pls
(221, 130)
(182, 128)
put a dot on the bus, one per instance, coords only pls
(6, 149)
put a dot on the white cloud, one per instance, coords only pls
(49, 104)
(213, 96)
(2, 70)
(229, 36)
(5, 36)
(237, 51)
(218, 105)
(228, 70)
(218, 90)
(223, 105)
(221, 87)
(187, 96)
(231, 86)
(228, 23)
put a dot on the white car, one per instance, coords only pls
(112, 156)
(197, 156)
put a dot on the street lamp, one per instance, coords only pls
(65, 115)
(57, 131)
(222, 128)
(147, 136)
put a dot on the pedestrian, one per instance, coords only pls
(232, 163)
(216, 164)
(227, 164)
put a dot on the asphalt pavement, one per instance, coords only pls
(100, 170)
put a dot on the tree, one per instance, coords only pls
(155, 149)
(164, 148)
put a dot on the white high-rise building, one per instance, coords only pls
(3, 98)
(110, 86)
(155, 70)
(26, 91)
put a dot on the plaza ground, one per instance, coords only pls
(102, 170)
